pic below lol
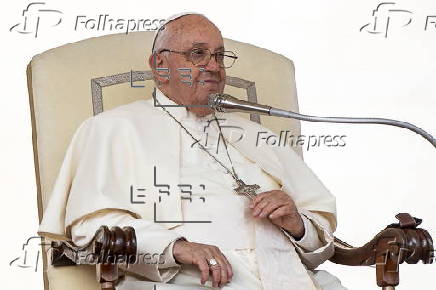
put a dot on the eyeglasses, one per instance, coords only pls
(202, 56)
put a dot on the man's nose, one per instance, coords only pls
(213, 65)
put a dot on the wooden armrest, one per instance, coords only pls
(108, 249)
(397, 243)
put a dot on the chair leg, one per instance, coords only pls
(107, 275)
(387, 265)
(107, 286)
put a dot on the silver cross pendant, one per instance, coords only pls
(247, 190)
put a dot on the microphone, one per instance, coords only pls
(227, 103)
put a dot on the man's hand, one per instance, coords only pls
(185, 252)
(279, 207)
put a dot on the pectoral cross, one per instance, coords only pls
(246, 189)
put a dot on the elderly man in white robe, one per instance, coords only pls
(256, 217)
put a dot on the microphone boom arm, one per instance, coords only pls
(227, 103)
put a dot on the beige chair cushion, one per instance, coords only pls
(60, 97)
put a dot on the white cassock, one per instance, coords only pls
(123, 162)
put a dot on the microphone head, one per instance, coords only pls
(227, 103)
(219, 101)
(212, 101)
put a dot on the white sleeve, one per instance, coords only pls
(310, 240)
(317, 244)
(154, 259)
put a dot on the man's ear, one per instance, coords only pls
(158, 65)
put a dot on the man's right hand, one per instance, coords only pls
(185, 252)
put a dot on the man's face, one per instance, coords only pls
(205, 79)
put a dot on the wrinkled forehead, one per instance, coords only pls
(201, 36)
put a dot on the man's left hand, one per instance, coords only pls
(280, 208)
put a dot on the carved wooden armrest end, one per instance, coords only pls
(397, 243)
(108, 249)
(113, 245)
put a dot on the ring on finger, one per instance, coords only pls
(213, 263)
